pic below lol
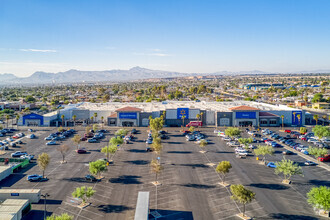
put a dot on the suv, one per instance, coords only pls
(34, 177)
(18, 154)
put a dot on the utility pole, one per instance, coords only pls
(45, 199)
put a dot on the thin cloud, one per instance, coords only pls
(156, 50)
(153, 54)
(38, 50)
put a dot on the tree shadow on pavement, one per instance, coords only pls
(289, 217)
(179, 152)
(126, 179)
(77, 179)
(193, 165)
(137, 151)
(137, 162)
(313, 182)
(174, 142)
(113, 208)
(198, 186)
(269, 186)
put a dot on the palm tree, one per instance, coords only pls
(299, 117)
(74, 120)
(202, 113)
(92, 119)
(7, 118)
(62, 117)
(316, 118)
(102, 118)
(282, 117)
(183, 117)
(17, 118)
(95, 116)
(294, 117)
(305, 99)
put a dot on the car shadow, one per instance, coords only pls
(289, 217)
(126, 179)
(113, 208)
(174, 142)
(269, 186)
(137, 162)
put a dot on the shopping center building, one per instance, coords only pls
(176, 113)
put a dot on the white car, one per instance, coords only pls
(311, 140)
(226, 139)
(30, 157)
(251, 146)
(51, 143)
(48, 138)
(10, 139)
(148, 141)
(18, 154)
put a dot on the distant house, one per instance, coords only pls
(300, 103)
(321, 105)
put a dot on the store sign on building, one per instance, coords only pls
(249, 115)
(127, 115)
(183, 112)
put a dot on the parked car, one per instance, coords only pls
(34, 177)
(287, 131)
(271, 165)
(49, 138)
(18, 154)
(10, 139)
(310, 163)
(91, 178)
(29, 157)
(287, 152)
(81, 151)
(32, 136)
(51, 143)
(134, 131)
(92, 140)
(164, 136)
(149, 141)
(12, 144)
(149, 149)
(326, 158)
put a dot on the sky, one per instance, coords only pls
(188, 36)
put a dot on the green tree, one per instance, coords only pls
(121, 132)
(303, 130)
(288, 168)
(74, 117)
(264, 150)
(223, 168)
(282, 117)
(63, 216)
(83, 193)
(95, 127)
(157, 145)
(245, 141)
(321, 131)
(317, 152)
(95, 116)
(116, 141)
(43, 161)
(319, 197)
(156, 125)
(203, 143)
(156, 168)
(183, 117)
(76, 139)
(242, 195)
(192, 129)
(97, 167)
(30, 99)
(318, 97)
(102, 120)
(109, 150)
(232, 132)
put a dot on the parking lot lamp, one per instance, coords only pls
(45, 199)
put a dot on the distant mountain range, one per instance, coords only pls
(135, 73)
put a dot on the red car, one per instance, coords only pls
(326, 158)
(287, 131)
(81, 151)
(304, 138)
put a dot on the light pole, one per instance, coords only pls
(45, 198)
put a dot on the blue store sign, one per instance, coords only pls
(249, 115)
(296, 117)
(127, 115)
(183, 112)
(33, 116)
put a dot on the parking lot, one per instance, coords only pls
(189, 189)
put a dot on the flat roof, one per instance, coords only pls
(15, 202)
(20, 190)
(7, 216)
(162, 106)
(3, 168)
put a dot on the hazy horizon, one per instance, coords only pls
(180, 36)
